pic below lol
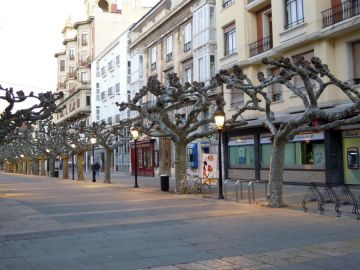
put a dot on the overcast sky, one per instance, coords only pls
(30, 35)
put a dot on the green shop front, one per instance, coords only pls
(248, 155)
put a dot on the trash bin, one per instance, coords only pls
(54, 174)
(164, 182)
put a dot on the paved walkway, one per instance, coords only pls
(48, 223)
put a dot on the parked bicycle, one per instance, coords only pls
(191, 184)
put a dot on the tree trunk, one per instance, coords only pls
(52, 166)
(43, 171)
(66, 167)
(180, 163)
(276, 173)
(108, 165)
(80, 165)
(18, 167)
(36, 167)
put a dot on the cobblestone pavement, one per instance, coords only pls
(48, 223)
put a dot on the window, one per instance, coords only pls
(117, 88)
(88, 101)
(188, 74)
(187, 37)
(356, 62)
(241, 152)
(110, 91)
(237, 98)
(212, 66)
(294, 13)
(230, 39)
(153, 58)
(97, 69)
(103, 95)
(128, 72)
(141, 66)
(71, 53)
(298, 82)
(103, 71)
(111, 65)
(117, 60)
(227, 3)
(201, 70)
(84, 39)
(84, 58)
(169, 48)
(62, 65)
(97, 113)
(275, 89)
(109, 121)
(84, 77)
(97, 92)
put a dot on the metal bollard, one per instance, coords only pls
(249, 187)
(225, 191)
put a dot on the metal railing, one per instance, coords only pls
(340, 12)
(294, 23)
(260, 46)
(227, 3)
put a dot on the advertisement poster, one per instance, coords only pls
(209, 166)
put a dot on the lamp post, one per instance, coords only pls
(22, 157)
(48, 162)
(93, 141)
(219, 122)
(135, 133)
(72, 159)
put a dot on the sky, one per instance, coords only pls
(30, 35)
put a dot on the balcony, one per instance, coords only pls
(340, 12)
(227, 3)
(260, 46)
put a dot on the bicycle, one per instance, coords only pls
(198, 185)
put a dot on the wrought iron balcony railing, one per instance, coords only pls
(340, 12)
(261, 46)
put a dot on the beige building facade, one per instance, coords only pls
(249, 30)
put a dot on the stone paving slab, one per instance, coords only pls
(48, 223)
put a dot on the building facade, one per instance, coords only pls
(174, 37)
(249, 30)
(110, 84)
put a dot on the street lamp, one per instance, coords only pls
(22, 156)
(219, 117)
(135, 133)
(93, 141)
(72, 159)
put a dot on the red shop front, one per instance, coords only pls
(145, 155)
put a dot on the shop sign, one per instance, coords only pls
(351, 133)
(308, 137)
(241, 141)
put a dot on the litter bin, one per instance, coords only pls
(164, 182)
(54, 174)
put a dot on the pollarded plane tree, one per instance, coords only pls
(162, 118)
(317, 79)
(42, 106)
(109, 138)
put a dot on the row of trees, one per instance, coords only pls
(178, 113)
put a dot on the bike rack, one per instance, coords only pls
(237, 183)
(251, 186)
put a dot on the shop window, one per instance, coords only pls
(241, 156)
(312, 152)
(192, 156)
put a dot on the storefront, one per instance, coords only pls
(145, 156)
(249, 157)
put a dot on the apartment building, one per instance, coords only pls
(249, 30)
(173, 37)
(83, 41)
(111, 76)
